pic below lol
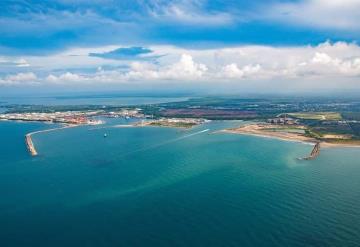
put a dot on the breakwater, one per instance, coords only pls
(314, 152)
(29, 143)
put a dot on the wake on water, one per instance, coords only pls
(165, 143)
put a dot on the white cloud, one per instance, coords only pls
(348, 67)
(323, 58)
(233, 71)
(188, 12)
(20, 78)
(22, 63)
(186, 68)
(66, 77)
(325, 61)
(332, 14)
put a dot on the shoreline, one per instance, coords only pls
(286, 136)
(265, 135)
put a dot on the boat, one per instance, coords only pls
(105, 135)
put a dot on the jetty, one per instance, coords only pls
(314, 153)
(30, 145)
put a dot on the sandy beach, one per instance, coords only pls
(267, 130)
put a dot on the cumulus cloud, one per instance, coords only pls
(240, 63)
(66, 77)
(233, 71)
(186, 68)
(244, 63)
(20, 78)
(349, 67)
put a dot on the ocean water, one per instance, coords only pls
(87, 100)
(168, 187)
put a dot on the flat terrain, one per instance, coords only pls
(209, 113)
(269, 130)
(172, 122)
(293, 133)
(330, 116)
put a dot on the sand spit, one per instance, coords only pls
(267, 130)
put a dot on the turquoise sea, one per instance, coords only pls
(168, 187)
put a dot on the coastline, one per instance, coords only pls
(271, 136)
(256, 130)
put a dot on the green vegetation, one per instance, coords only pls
(351, 115)
(174, 125)
(312, 134)
(290, 129)
(345, 141)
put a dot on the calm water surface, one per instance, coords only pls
(88, 100)
(168, 187)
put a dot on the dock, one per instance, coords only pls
(30, 145)
(314, 153)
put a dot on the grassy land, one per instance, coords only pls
(285, 128)
(174, 125)
(344, 141)
(312, 134)
(329, 116)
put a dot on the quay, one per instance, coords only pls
(30, 145)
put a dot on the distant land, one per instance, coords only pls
(332, 122)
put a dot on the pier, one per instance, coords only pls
(30, 145)
(314, 153)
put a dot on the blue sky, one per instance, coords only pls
(162, 41)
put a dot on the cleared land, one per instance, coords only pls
(329, 116)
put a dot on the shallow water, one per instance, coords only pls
(168, 187)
